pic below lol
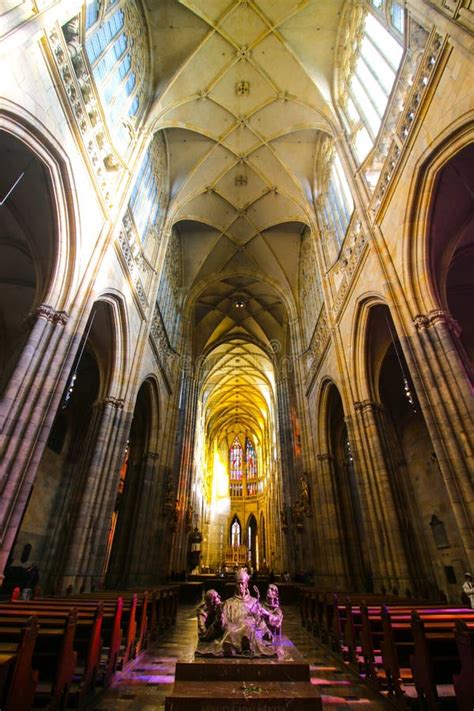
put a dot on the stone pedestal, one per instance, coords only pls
(258, 683)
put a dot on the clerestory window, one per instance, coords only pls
(369, 68)
(144, 201)
(339, 203)
(115, 54)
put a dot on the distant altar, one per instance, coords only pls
(235, 556)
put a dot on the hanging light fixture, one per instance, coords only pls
(406, 383)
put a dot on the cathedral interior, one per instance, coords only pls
(236, 273)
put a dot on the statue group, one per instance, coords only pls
(241, 626)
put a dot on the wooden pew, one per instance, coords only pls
(464, 681)
(87, 639)
(19, 682)
(112, 616)
(391, 631)
(435, 660)
(54, 656)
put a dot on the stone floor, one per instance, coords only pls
(145, 684)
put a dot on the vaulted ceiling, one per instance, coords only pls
(243, 94)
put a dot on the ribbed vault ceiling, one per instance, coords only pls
(243, 94)
(237, 391)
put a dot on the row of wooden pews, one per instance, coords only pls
(54, 650)
(412, 651)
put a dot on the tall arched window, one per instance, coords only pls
(236, 460)
(371, 53)
(339, 204)
(168, 298)
(251, 458)
(116, 50)
(335, 204)
(309, 283)
(144, 203)
(235, 533)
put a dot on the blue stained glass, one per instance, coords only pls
(132, 111)
(129, 86)
(92, 13)
(251, 460)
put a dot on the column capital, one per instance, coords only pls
(361, 405)
(436, 317)
(115, 402)
(48, 313)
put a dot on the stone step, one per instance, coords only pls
(242, 670)
(242, 696)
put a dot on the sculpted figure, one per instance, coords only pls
(209, 616)
(243, 620)
(240, 626)
(274, 616)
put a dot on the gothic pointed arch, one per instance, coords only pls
(38, 239)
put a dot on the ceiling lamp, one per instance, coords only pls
(239, 302)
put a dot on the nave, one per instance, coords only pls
(144, 685)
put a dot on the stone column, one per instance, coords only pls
(388, 559)
(443, 387)
(184, 467)
(27, 411)
(287, 473)
(331, 556)
(142, 521)
(94, 502)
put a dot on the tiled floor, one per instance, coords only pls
(144, 684)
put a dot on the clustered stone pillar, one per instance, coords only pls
(448, 412)
(184, 462)
(389, 564)
(331, 556)
(79, 545)
(27, 412)
(289, 492)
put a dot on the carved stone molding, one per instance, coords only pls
(436, 317)
(317, 347)
(361, 405)
(354, 244)
(46, 312)
(115, 402)
(161, 345)
(324, 457)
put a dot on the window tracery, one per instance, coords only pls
(168, 297)
(117, 52)
(148, 199)
(372, 49)
(236, 460)
(334, 202)
(310, 290)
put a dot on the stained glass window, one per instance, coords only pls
(251, 460)
(236, 460)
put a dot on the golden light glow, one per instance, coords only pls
(220, 486)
